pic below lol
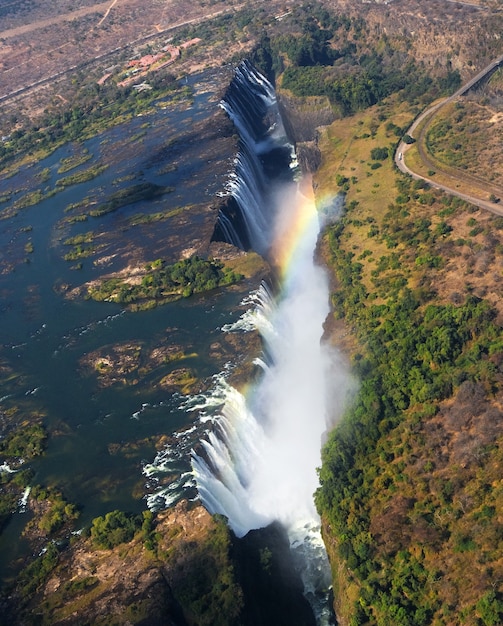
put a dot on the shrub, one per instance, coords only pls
(114, 528)
(408, 139)
(379, 154)
(490, 609)
(25, 442)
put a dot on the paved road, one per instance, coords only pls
(429, 113)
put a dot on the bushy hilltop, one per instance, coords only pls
(411, 478)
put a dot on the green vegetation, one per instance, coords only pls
(416, 354)
(328, 55)
(115, 201)
(209, 593)
(44, 175)
(379, 154)
(462, 136)
(81, 177)
(69, 163)
(80, 246)
(98, 108)
(19, 445)
(57, 513)
(37, 572)
(24, 442)
(79, 252)
(149, 218)
(407, 479)
(411, 494)
(80, 239)
(12, 486)
(8, 503)
(31, 198)
(81, 204)
(114, 528)
(199, 571)
(167, 282)
(57, 510)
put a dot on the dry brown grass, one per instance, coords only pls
(471, 252)
(461, 147)
(346, 147)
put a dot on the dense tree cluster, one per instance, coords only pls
(114, 528)
(328, 55)
(24, 443)
(163, 281)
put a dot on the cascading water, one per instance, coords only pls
(259, 462)
(264, 154)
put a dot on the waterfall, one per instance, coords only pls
(264, 154)
(258, 464)
(250, 102)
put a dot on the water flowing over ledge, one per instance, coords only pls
(265, 156)
(258, 464)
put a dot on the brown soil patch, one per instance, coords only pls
(51, 21)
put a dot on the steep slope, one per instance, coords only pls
(410, 480)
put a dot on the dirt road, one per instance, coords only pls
(102, 7)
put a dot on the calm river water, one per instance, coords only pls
(100, 437)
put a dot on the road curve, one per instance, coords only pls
(402, 148)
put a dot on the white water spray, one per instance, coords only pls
(257, 462)
(260, 462)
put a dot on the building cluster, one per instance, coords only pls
(151, 63)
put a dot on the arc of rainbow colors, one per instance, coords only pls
(295, 220)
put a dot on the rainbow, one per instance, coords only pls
(298, 214)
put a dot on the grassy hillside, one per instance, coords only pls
(410, 482)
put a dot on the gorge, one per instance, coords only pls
(259, 463)
(265, 207)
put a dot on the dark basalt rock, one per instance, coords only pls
(272, 587)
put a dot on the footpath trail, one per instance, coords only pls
(106, 13)
(453, 183)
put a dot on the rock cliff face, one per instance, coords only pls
(192, 571)
(302, 118)
(437, 33)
